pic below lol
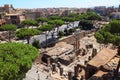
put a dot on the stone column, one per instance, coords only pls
(94, 52)
(69, 75)
(53, 67)
(80, 69)
(74, 45)
(48, 61)
(76, 71)
(58, 65)
(61, 71)
(83, 52)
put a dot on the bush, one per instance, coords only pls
(36, 44)
(61, 34)
(15, 60)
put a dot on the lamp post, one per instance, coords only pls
(46, 35)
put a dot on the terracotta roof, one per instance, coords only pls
(102, 57)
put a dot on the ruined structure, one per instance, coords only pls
(81, 59)
(103, 65)
(58, 53)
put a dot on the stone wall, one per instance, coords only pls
(70, 39)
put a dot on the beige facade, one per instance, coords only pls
(14, 19)
(2, 22)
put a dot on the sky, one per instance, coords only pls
(59, 3)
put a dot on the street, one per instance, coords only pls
(42, 37)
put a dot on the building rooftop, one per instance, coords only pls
(11, 14)
(112, 64)
(116, 13)
(103, 57)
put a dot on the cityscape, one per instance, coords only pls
(60, 40)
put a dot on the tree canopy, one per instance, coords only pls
(89, 16)
(27, 33)
(86, 24)
(59, 22)
(10, 28)
(15, 60)
(47, 27)
(42, 20)
(56, 22)
(93, 16)
(55, 17)
(29, 23)
(110, 33)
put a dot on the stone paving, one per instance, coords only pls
(36, 73)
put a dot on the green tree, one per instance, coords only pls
(68, 20)
(36, 44)
(56, 24)
(55, 17)
(10, 28)
(86, 24)
(110, 33)
(61, 34)
(28, 23)
(115, 26)
(73, 17)
(15, 60)
(26, 33)
(46, 29)
(42, 20)
(93, 16)
(88, 16)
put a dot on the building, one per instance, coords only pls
(62, 52)
(116, 15)
(32, 15)
(100, 9)
(7, 8)
(102, 66)
(2, 22)
(14, 19)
